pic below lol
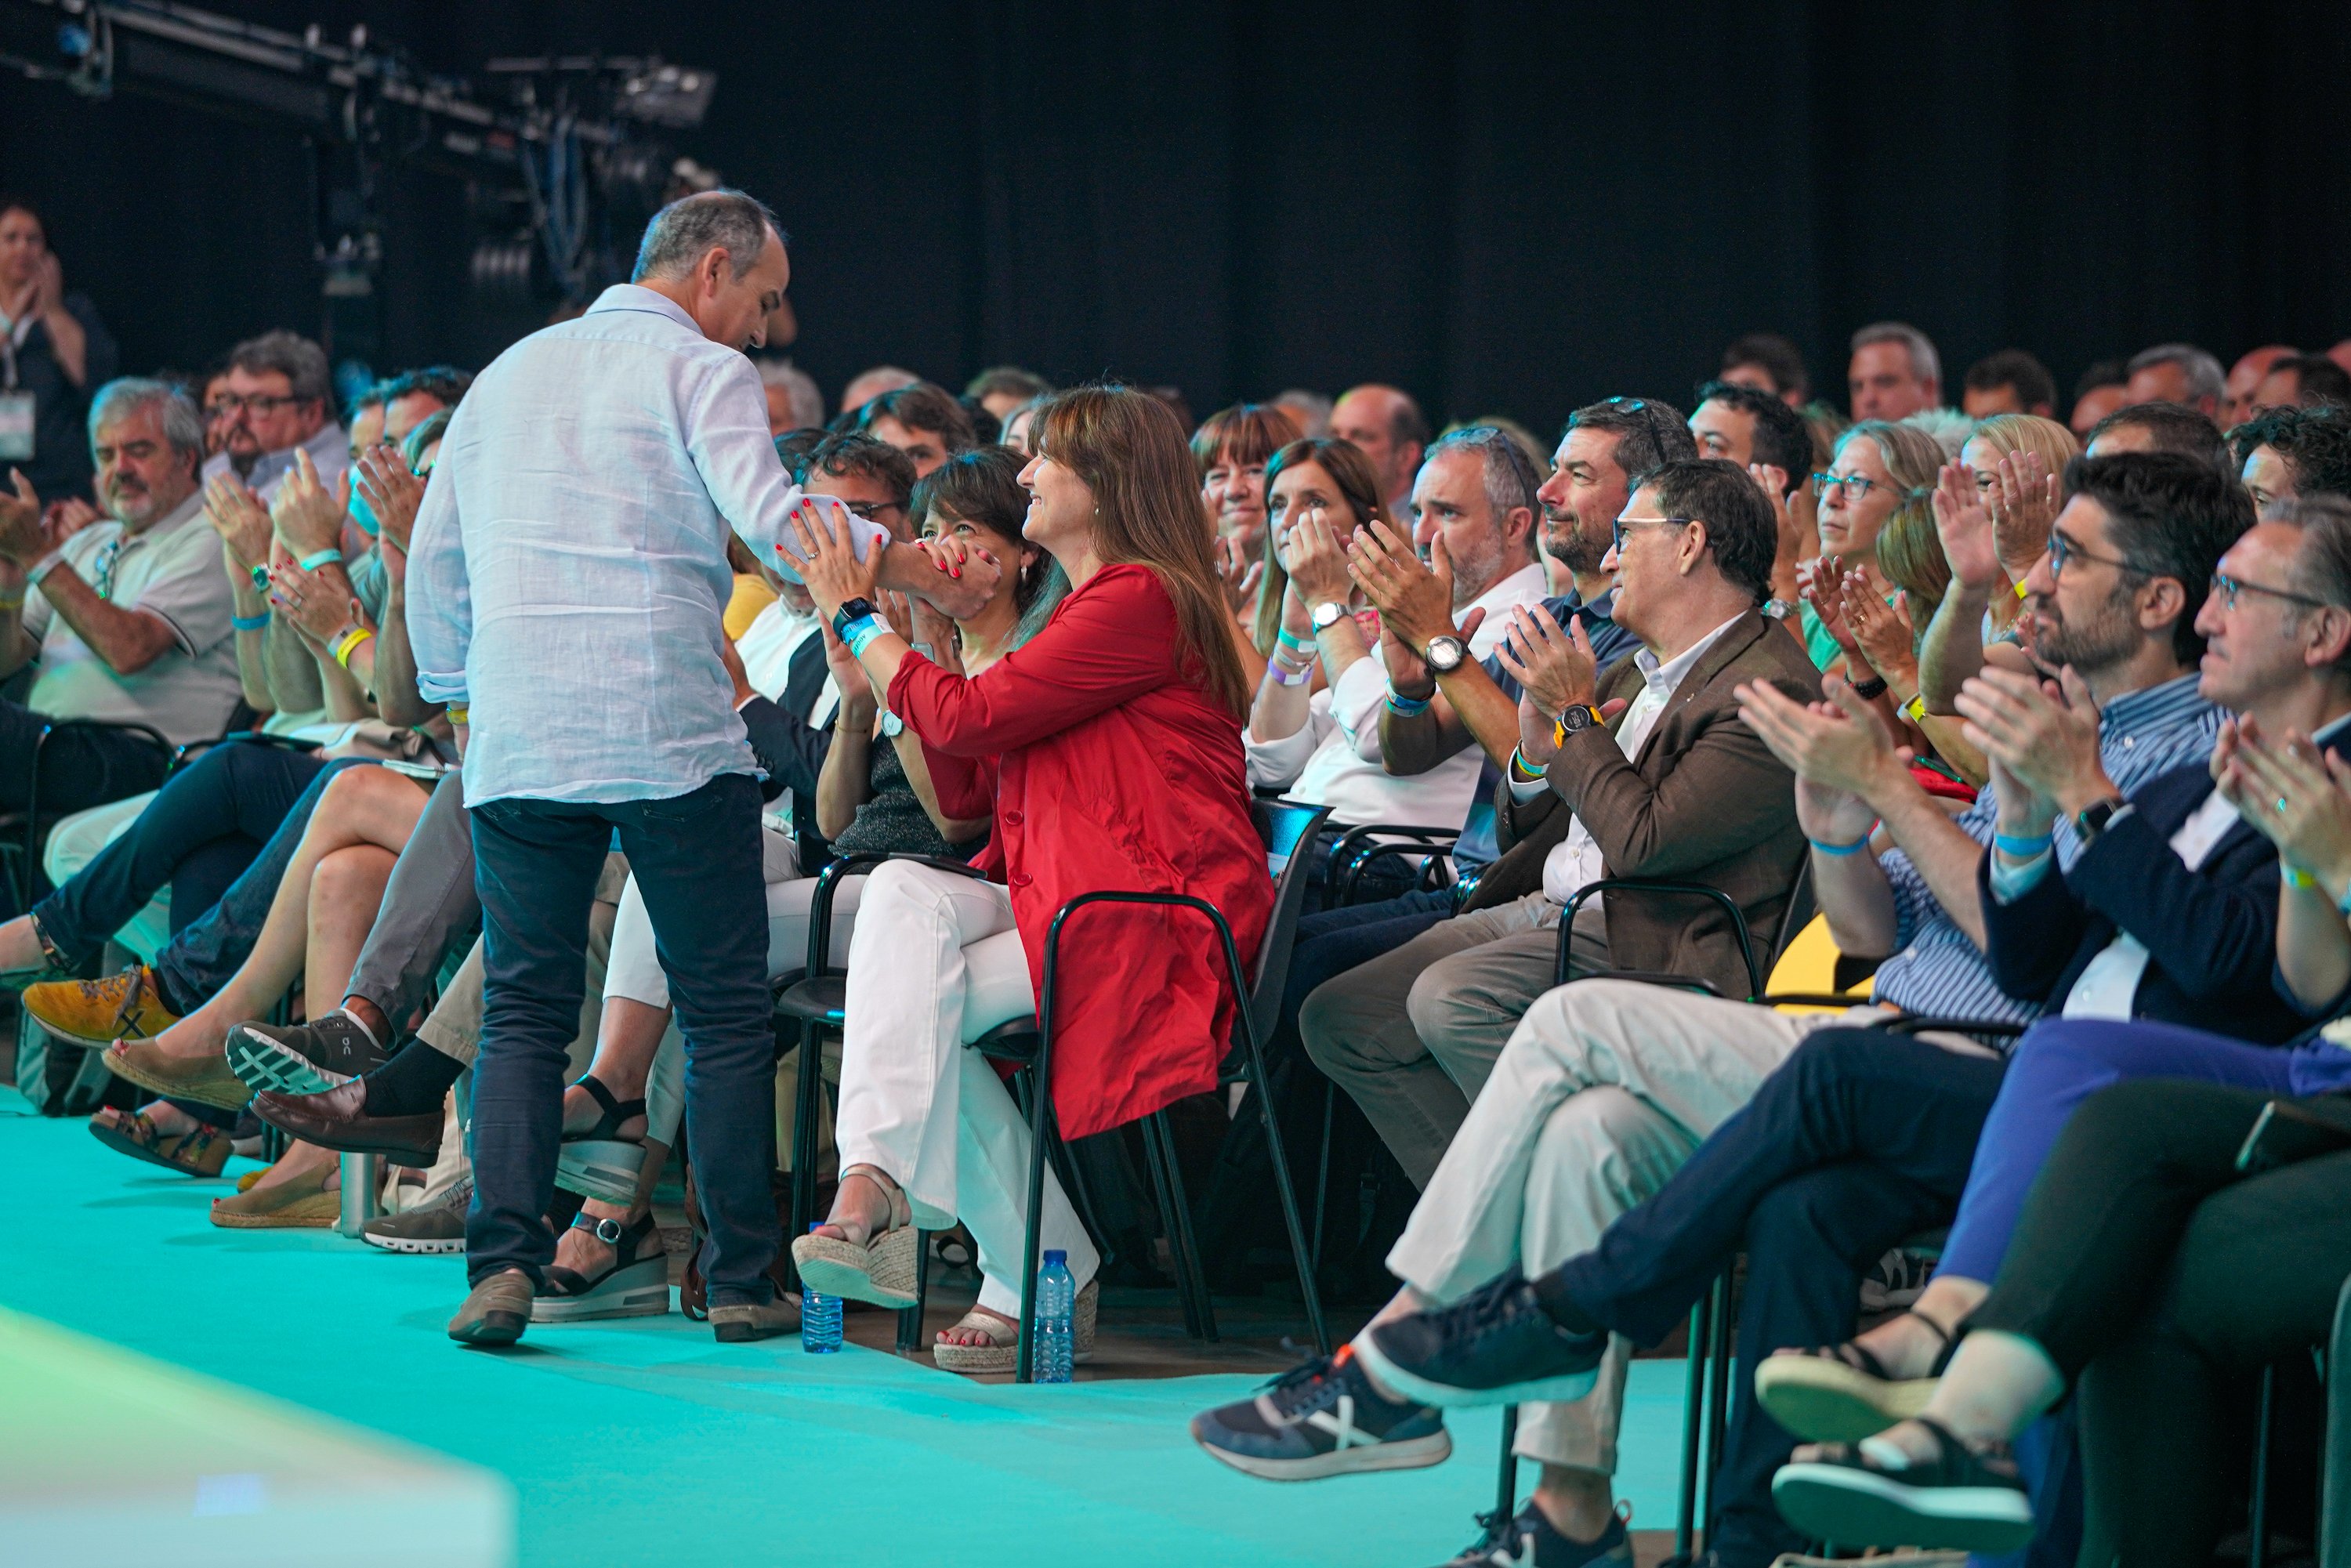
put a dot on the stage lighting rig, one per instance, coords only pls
(562, 156)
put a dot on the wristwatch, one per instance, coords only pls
(1327, 615)
(1446, 653)
(893, 726)
(2092, 820)
(850, 615)
(1580, 716)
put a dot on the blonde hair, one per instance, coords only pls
(1910, 554)
(2011, 434)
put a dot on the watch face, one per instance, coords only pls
(892, 725)
(1576, 719)
(1328, 613)
(1445, 654)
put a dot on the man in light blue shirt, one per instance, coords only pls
(566, 574)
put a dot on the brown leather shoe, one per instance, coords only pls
(337, 1119)
(207, 1078)
(496, 1311)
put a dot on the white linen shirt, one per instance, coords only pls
(1575, 860)
(1334, 758)
(568, 570)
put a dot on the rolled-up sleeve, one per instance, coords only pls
(440, 592)
(726, 435)
(1355, 697)
(1273, 763)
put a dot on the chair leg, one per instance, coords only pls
(1188, 1252)
(1155, 1157)
(1693, 1414)
(808, 1087)
(1300, 1252)
(910, 1319)
(1718, 1398)
(1041, 1110)
(1506, 1485)
(1323, 1172)
(2257, 1529)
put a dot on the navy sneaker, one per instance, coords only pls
(1323, 1419)
(1494, 1346)
(1530, 1542)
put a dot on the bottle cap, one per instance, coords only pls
(815, 1226)
(1055, 1255)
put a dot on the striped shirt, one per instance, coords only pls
(1936, 969)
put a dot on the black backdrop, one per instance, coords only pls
(1505, 209)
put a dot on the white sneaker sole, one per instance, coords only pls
(263, 1064)
(1564, 1390)
(427, 1246)
(1411, 1454)
(1853, 1507)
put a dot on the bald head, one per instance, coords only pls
(2244, 376)
(1388, 427)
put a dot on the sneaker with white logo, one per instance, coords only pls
(1528, 1541)
(1323, 1419)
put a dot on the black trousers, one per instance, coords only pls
(79, 768)
(2146, 1266)
(695, 858)
(1861, 1138)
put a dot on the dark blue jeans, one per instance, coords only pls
(1860, 1139)
(695, 858)
(228, 803)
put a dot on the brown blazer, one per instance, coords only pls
(1705, 801)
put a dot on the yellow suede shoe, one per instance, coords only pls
(96, 1013)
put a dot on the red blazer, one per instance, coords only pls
(1106, 767)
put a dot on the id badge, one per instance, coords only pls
(15, 426)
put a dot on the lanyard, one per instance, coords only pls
(19, 330)
(102, 569)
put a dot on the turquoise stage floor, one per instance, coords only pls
(647, 1443)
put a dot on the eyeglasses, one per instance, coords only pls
(2062, 550)
(1617, 529)
(1854, 486)
(229, 403)
(2228, 588)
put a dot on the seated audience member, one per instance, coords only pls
(2159, 427)
(1894, 373)
(2288, 453)
(2245, 379)
(2154, 1278)
(1796, 1178)
(1111, 745)
(1876, 467)
(1387, 426)
(794, 402)
(922, 421)
(1674, 787)
(2302, 381)
(2104, 389)
(128, 618)
(1308, 410)
(1003, 388)
(1018, 425)
(2177, 372)
(1770, 364)
(1477, 495)
(867, 385)
(2010, 382)
(1769, 439)
(1882, 637)
(1231, 451)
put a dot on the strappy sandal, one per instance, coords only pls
(201, 1153)
(1963, 1499)
(1001, 1353)
(628, 1287)
(600, 1163)
(881, 1269)
(1841, 1393)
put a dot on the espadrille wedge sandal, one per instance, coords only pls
(880, 1269)
(1001, 1353)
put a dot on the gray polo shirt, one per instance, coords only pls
(172, 570)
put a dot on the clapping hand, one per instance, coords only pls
(1417, 600)
(2024, 500)
(237, 515)
(392, 492)
(1316, 559)
(60, 521)
(1963, 523)
(1882, 631)
(1238, 573)
(1840, 745)
(2043, 733)
(307, 513)
(858, 704)
(1818, 582)
(316, 603)
(2289, 792)
(23, 540)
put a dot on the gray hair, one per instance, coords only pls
(2205, 376)
(184, 427)
(1510, 475)
(1925, 363)
(289, 354)
(800, 391)
(689, 228)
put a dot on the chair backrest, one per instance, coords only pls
(1287, 830)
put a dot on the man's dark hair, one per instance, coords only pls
(1740, 528)
(867, 457)
(2314, 442)
(2173, 427)
(2323, 564)
(924, 406)
(1781, 437)
(682, 233)
(1012, 378)
(1506, 472)
(2170, 513)
(10, 202)
(1775, 356)
(1648, 432)
(987, 430)
(446, 383)
(2035, 387)
(2103, 373)
(289, 354)
(2317, 379)
(793, 447)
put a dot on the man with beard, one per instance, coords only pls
(129, 617)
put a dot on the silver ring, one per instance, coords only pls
(2281, 806)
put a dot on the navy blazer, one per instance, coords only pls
(2211, 934)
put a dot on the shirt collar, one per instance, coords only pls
(1664, 678)
(637, 297)
(1526, 583)
(2160, 706)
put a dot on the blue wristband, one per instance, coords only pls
(862, 633)
(1854, 848)
(2023, 849)
(251, 622)
(1406, 707)
(1282, 634)
(319, 558)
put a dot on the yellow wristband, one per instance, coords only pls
(1916, 708)
(458, 715)
(2020, 590)
(350, 641)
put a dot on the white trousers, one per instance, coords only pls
(1605, 1089)
(937, 962)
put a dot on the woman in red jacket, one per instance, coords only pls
(1108, 750)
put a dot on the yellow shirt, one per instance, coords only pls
(751, 595)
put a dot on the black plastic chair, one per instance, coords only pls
(2335, 1485)
(1358, 848)
(1288, 830)
(26, 827)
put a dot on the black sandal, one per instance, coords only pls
(600, 1163)
(629, 1287)
(1843, 1393)
(1962, 1500)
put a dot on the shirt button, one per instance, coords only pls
(1020, 879)
(2129, 741)
(1011, 819)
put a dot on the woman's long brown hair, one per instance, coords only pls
(1359, 484)
(1131, 452)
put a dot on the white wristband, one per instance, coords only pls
(43, 567)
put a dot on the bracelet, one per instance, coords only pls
(458, 715)
(319, 558)
(250, 622)
(43, 567)
(1522, 770)
(1854, 848)
(1284, 675)
(1870, 690)
(1281, 635)
(1916, 708)
(1404, 706)
(2022, 848)
(861, 633)
(348, 644)
(2294, 876)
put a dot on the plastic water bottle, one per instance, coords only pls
(1057, 1297)
(820, 1320)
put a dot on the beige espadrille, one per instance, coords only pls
(881, 1270)
(1000, 1353)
